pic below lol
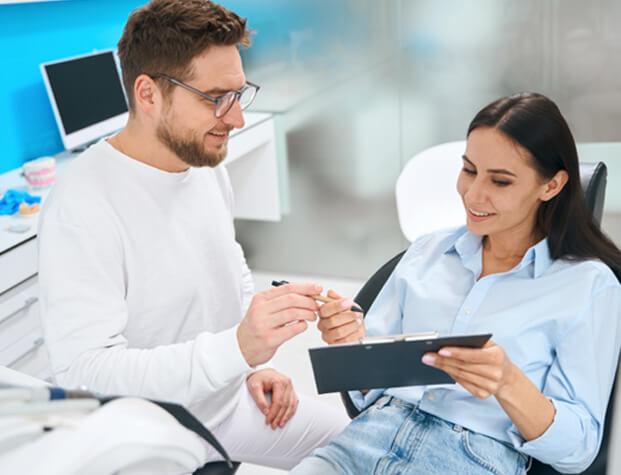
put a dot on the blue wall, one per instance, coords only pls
(33, 33)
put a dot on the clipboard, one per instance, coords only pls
(387, 362)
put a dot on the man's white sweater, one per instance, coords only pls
(142, 282)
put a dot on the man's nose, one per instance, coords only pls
(234, 117)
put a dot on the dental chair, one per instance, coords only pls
(425, 205)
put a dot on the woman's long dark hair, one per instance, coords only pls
(535, 122)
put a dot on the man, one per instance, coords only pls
(143, 285)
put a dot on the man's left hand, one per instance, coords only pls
(284, 399)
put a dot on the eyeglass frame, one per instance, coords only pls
(215, 100)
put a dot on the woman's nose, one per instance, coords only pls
(476, 192)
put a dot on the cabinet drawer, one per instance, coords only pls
(29, 356)
(18, 264)
(19, 314)
(21, 349)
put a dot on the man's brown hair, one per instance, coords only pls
(164, 36)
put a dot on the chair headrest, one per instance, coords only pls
(593, 180)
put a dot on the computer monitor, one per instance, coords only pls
(87, 96)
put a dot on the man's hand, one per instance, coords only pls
(483, 372)
(274, 316)
(338, 324)
(284, 400)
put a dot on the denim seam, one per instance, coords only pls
(387, 460)
(475, 457)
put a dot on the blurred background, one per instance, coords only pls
(361, 86)
(357, 87)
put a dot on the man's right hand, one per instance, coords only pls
(274, 316)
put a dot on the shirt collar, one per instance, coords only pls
(465, 245)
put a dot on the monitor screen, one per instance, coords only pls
(87, 96)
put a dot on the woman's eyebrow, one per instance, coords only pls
(501, 170)
(467, 160)
(491, 170)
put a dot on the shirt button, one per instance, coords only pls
(431, 396)
(467, 310)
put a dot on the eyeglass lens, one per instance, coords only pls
(226, 102)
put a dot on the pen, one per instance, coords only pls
(320, 298)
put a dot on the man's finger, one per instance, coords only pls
(280, 419)
(277, 422)
(290, 411)
(290, 300)
(302, 288)
(287, 332)
(277, 403)
(256, 391)
(284, 317)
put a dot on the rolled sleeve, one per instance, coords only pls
(552, 446)
(579, 384)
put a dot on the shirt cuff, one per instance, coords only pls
(230, 362)
(362, 401)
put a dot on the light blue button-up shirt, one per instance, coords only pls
(557, 320)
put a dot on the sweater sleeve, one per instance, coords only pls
(84, 316)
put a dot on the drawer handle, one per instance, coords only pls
(27, 303)
(35, 345)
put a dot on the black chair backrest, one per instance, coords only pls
(593, 179)
(217, 468)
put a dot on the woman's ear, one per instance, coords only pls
(554, 186)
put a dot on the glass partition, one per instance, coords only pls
(357, 87)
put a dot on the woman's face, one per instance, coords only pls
(500, 189)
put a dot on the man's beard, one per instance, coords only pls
(188, 148)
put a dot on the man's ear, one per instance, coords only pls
(555, 185)
(146, 94)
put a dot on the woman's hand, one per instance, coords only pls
(484, 372)
(489, 372)
(337, 323)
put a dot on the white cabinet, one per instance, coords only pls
(21, 337)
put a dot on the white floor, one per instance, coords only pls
(292, 358)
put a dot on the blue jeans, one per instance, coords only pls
(395, 437)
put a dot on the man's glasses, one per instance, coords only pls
(244, 96)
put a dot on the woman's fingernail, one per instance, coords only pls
(347, 303)
(359, 321)
(429, 359)
(444, 352)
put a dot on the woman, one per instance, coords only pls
(530, 267)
